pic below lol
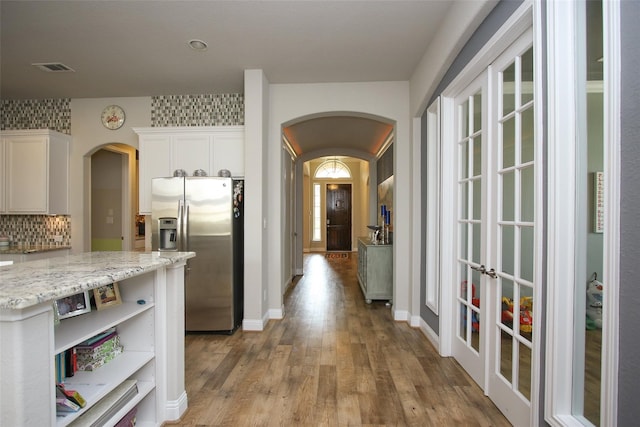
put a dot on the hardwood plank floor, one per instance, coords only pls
(332, 361)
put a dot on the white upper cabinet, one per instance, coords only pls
(192, 152)
(164, 150)
(36, 172)
(227, 152)
(154, 153)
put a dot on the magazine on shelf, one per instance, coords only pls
(109, 405)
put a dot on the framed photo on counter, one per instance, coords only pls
(73, 305)
(107, 296)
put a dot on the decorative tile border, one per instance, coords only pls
(197, 110)
(52, 114)
(36, 229)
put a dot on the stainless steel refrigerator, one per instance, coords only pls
(204, 215)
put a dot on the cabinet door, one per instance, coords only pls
(27, 173)
(191, 152)
(228, 153)
(58, 185)
(155, 161)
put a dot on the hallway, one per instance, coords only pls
(333, 360)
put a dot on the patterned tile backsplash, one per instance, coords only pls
(52, 114)
(36, 229)
(198, 110)
(216, 109)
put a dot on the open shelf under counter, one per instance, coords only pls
(144, 388)
(74, 330)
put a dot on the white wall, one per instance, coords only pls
(384, 99)
(89, 134)
(256, 98)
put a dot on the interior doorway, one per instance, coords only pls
(112, 205)
(106, 201)
(338, 217)
(492, 158)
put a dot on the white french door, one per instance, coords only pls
(496, 239)
(513, 227)
(470, 249)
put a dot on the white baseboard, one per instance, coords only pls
(430, 334)
(276, 313)
(174, 409)
(253, 325)
(401, 315)
(414, 322)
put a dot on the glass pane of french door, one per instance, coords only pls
(468, 347)
(513, 225)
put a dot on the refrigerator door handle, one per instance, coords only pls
(180, 222)
(186, 227)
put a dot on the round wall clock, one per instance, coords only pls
(113, 117)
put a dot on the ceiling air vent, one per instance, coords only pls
(54, 67)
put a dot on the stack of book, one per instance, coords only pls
(66, 364)
(98, 350)
(68, 400)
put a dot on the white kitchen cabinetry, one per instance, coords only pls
(375, 270)
(210, 148)
(154, 152)
(151, 332)
(36, 172)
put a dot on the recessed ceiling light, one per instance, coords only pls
(198, 45)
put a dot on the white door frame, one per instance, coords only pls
(563, 25)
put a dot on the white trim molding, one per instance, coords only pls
(430, 334)
(612, 132)
(565, 23)
(561, 201)
(432, 261)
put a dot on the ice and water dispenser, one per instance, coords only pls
(168, 228)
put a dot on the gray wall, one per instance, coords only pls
(629, 356)
(480, 37)
(385, 165)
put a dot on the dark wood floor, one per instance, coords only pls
(332, 361)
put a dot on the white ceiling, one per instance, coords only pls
(139, 48)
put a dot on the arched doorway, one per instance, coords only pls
(111, 205)
(360, 136)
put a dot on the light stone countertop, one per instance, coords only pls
(30, 283)
(29, 249)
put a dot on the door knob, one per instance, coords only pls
(481, 269)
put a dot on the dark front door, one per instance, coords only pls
(338, 217)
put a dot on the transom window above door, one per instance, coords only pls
(333, 168)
